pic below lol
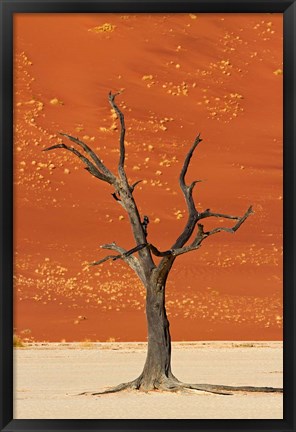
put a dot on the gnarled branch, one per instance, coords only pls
(208, 213)
(202, 235)
(194, 216)
(125, 255)
(167, 262)
(122, 136)
(157, 252)
(232, 230)
(93, 155)
(187, 160)
(90, 167)
(126, 196)
(187, 192)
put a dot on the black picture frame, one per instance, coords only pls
(7, 9)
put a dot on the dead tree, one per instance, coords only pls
(157, 373)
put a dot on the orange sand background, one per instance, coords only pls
(217, 74)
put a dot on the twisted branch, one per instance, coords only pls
(196, 243)
(124, 196)
(125, 255)
(194, 216)
(232, 230)
(93, 155)
(187, 190)
(90, 167)
(207, 213)
(201, 235)
(167, 262)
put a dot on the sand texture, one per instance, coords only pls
(49, 377)
(180, 74)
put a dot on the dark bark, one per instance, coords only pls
(157, 372)
(157, 368)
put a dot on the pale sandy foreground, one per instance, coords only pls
(48, 378)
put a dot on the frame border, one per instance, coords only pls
(7, 9)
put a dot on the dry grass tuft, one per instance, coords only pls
(86, 344)
(17, 342)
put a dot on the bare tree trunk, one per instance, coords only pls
(157, 373)
(157, 369)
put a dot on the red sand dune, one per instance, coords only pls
(217, 74)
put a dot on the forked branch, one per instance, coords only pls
(93, 155)
(202, 235)
(125, 255)
(167, 262)
(194, 216)
(240, 221)
(124, 195)
(90, 167)
(174, 252)
(188, 189)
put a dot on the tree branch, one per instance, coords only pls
(169, 256)
(167, 262)
(90, 167)
(93, 155)
(126, 256)
(118, 200)
(207, 213)
(122, 136)
(132, 187)
(145, 224)
(201, 235)
(106, 258)
(157, 252)
(124, 191)
(187, 190)
(232, 230)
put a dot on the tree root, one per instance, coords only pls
(227, 390)
(174, 385)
